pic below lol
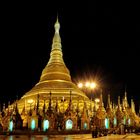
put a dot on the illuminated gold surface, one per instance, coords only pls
(55, 77)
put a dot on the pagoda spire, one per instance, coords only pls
(23, 112)
(125, 94)
(56, 68)
(50, 102)
(108, 102)
(57, 25)
(85, 111)
(125, 99)
(15, 111)
(44, 108)
(78, 105)
(133, 106)
(69, 109)
(50, 110)
(101, 112)
(119, 103)
(55, 76)
(56, 52)
(91, 108)
(101, 101)
(70, 102)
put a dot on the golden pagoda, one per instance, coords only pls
(55, 79)
(56, 103)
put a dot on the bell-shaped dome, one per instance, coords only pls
(55, 76)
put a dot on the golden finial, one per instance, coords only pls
(108, 103)
(101, 99)
(125, 93)
(57, 18)
(119, 101)
(57, 25)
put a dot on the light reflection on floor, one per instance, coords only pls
(70, 137)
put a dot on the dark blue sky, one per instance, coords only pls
(98, 39)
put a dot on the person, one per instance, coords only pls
(122, 129)
(94, 132)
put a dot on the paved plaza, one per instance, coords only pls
(71, 137)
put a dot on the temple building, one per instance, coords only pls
(56, 103)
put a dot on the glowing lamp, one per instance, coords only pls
(93, 85)
(87, 84)
(97, 100)
(80, 85)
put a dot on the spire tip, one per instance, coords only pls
(57, 19)
(57, 25)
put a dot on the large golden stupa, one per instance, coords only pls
(55, 78)
(56, 103)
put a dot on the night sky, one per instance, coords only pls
(99, 40)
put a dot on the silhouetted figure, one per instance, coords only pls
(94, 132)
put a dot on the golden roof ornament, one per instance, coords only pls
(57, 26)
(101, 102)
(133, 106)
(119, 112)
(119, 103)
(101, 112)
(108, 102)
(109, 111)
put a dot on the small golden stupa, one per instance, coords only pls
(55, 79)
